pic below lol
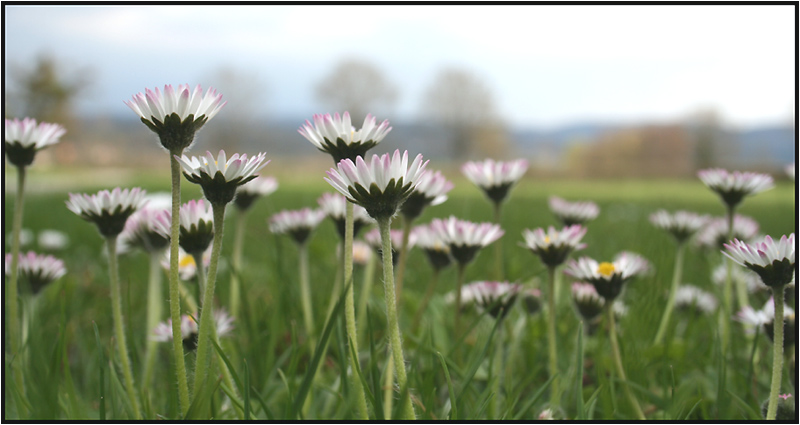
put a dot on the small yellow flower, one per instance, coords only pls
(606, 269)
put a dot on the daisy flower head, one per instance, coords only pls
(773, 261)
(435, 248)
(380, 185)
(553, 246)
(465, 238)
(431, 190)
(190, 331)
(334, 204)
(175, 115)
(587, 301)
(107, 210)
(496, 298)
(688, 296)
(187, 268)
(681, 224)
(52, 240)
(147, 229)
(336, 135)
(297, 223)
(739, 275)
(734, 187)
(247, 193)
(608, 278)
(362, 252)
(715, 233)
(196, 226)
(38, 270)
(219, 177)
(532, 300)
(495, 178)
(373, 238)
(24, 138)
(570, 213)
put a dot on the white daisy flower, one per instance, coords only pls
(465, 238)
(431, 190)
(336, 135)
(571, 213)
(773, 261)
(38, 270)
(681, 224)
(692, 296)
(495, 178)
(735, 186)
(219, 177)
(24, 138)
(553, 246)
(606, 277)
(298, 223)
(108, 210)
(254, 189)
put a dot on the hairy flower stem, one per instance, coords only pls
(350, 314)
(612, 333)
(498, 246)
(119, 331)
(305, 294)
(206, 325)
(402, 259)
(676, 278)
(154, 298)
(366, 291)
(395, 339)
(236, 263)
(777, 354)
(174, 283)
(555, 393)
(459, 284)
(12, 290)
(425, 300)
(727, 295)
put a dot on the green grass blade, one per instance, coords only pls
(264, 406)
(246, 391)
(374, 371)
(101, 352)
(305, 385)
(450, 390)
(200, 400)
(119, 389)
(590, 404)
(527, 406)
(697, 403)
(476, 363)
(227, 362)
(367, 391)
(581, 413)
(754, 414)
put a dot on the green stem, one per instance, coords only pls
(236, 263)
(350, 314)
(496, 374)
(741, 285)
(612, 333)
(727, 295)
(427, 298)
(459, 284)
(154, 298)
(498, 247)
(366, 291)
(391, 316)
(388, 388)
(402, 259)
(551, 339)
(559, 294)
(305, 294)
(174, 282)
(206, 326)
(676, 278)
(12, 290)
(119, 331)
(777, 354)
(201, 276)
(337, 281)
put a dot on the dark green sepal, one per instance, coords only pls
(553, 256)
(380, 203)
(20, 156)
(438, 258)
(589, 308)
(498, 193)
(341, 150)
(464, 254)
(414, 204)
(110, 223)
(175, 135)
(197, 238)
(777, 274)
(609, 288)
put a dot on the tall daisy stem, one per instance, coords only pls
(676, 278)
(305, 293)
(119, 331)
(612, 333)
(207, 324)
(402, 259)
(551, 338)
(174, 282)
(498, 246)
(236, 263)
(12, 292)
(366, 291)
(727, 290)
(777, 354)
(741, 286)
(395, 339)
(459, 283)
(154, 299)
(350, 314)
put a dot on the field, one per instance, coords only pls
(66, 366)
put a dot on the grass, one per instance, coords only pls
(72, 373)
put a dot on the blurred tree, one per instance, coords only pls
(358, 87)
(463, 104)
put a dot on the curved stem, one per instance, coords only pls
(207, 324)
(174, 282)
(402, 259)
(154, 298)
(119, 331)
(391, 316)
(777, 354)
(424, 304)
(459, 284)
(350, 314)
(498, 247)
(676, 278)
(12, 289)
(305, 294)
(612, 333)
(551, 338)
(236, 263)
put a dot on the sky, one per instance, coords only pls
(547, 66)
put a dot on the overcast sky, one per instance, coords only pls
(547, 65)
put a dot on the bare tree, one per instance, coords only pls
(358, 87)
(46, 90)
(460, 101)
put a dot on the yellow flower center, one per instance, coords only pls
(186, 261)
(606, 269)
(547, 239)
